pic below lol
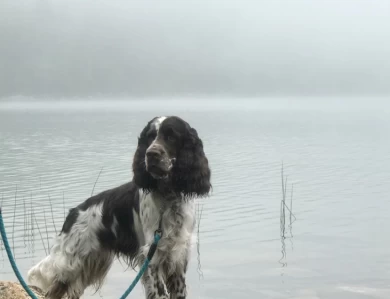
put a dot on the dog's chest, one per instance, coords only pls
(178, 219)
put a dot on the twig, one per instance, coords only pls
(32, 224)
(93, 189)
(291, 214)
(200, 272)
(36, 222)
(283, 260)
(47, 233)
(52, 214)
(282, 206)
(291, 203)
(13, 225)
(24, 222)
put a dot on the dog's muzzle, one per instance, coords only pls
(158, 164)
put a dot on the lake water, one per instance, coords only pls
(335, 154)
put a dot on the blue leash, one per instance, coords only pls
(152, 250)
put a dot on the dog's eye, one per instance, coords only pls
(171, 138)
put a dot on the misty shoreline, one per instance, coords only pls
(126, 103)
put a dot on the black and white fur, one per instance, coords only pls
(170, 168)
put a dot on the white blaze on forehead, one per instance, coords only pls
(156, 126)
(157, 123)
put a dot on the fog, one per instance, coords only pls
(176, 48)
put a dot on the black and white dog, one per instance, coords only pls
(170, 168)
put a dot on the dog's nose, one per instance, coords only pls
(154, 152)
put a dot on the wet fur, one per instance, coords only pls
(121, 222)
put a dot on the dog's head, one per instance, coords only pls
(170, 157)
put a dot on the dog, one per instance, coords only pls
(170, 170)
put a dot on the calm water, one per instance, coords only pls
(336, 153)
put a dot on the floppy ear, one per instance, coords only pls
(191, 172)
(142, 178)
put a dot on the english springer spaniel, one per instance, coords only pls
(170, 169)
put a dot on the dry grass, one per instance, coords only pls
(13, 290)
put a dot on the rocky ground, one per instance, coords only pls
(13, 290)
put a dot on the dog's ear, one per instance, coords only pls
(191, 172)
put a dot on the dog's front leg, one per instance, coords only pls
(176, 284)
(154, 285)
